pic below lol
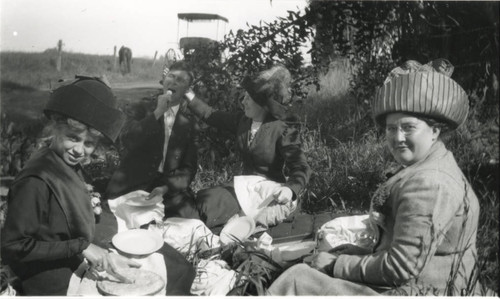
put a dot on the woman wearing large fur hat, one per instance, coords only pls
(425, 216)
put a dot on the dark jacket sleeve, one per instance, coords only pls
(179, 179)
(136, 132)
(298, 170)
(27, 215)
(219, 119)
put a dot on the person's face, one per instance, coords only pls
(73, 146)
(178, 82)
(409, 139)
(252, 109)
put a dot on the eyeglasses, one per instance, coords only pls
(406, 129)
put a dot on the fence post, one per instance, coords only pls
(154, 58)
(59, 55)
(114, 58)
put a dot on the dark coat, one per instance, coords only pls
(275, 146)
(143, 141)
(49, 223)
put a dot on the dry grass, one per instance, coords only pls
(38, 70)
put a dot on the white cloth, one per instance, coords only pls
(256, 199)
(213, 278)
(355, 230)
(82, 283)
(254, 193)
(188, 236)
(168, 120)
(129, 217)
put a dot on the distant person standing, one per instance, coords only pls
(125, 59)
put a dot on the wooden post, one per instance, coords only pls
(154, 58)
(59, 55)
(114, 58)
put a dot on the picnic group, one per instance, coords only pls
(422, 222)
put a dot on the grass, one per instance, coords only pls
(38, 70)
(343, 147)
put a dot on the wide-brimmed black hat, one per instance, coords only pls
(88, 100)
(269, 89)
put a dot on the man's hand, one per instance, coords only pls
(283, 195)
(163, 104)
(158, 191)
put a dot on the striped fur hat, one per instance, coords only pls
(422, 89)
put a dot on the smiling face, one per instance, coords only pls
(252, 109)
(409, 139)
(177, 81)
(72, 144)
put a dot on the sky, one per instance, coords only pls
(146, 26)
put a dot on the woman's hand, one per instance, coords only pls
(96, 256)
(322, 261)
(158, 191)
(102, 260)
(350, 249)
(283, 195)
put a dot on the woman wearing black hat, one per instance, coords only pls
(50, 222)
(266, 144)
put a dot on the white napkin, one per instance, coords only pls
(83, 284)
(355, 230)
(213, 277)
(129, 217)
(254, 193)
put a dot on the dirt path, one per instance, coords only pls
(136, 85)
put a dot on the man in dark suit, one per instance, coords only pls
(161, 152)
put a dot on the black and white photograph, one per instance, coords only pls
(249, 148)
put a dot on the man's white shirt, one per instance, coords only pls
(168, 120)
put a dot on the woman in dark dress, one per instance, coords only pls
(50, 223)
(267, 145)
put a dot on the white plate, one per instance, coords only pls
(296, 251)
(137, 241)
(237, 229)
(138, 199)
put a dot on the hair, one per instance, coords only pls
(183, 66)
(58, 121)
(434, 123)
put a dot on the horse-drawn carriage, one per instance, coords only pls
(196, 31)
